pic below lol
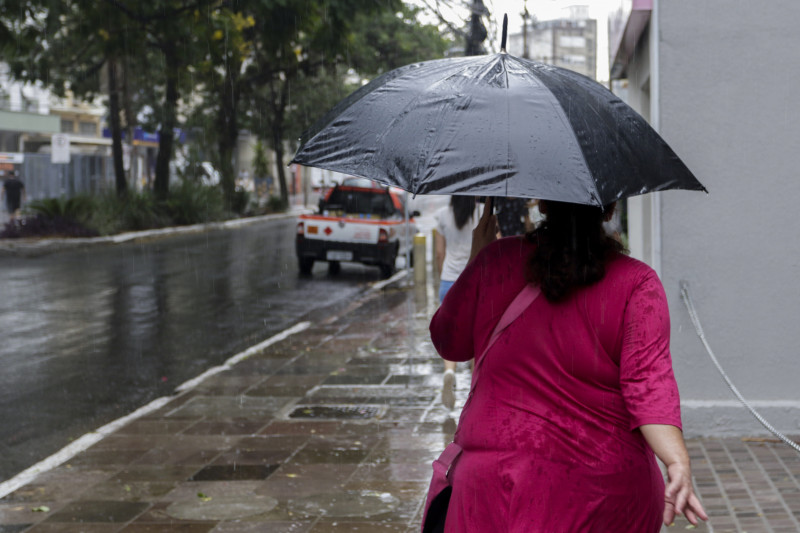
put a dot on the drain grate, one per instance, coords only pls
(337, 412)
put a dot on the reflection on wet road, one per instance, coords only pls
(90, 335)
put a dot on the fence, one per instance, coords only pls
(84, 174)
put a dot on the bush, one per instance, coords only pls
(194, 203)
(78, 208)
(85, 216)
(43, 225)
(275, 204)
(132, 212)
(240, 202)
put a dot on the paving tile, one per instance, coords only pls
(328, 456)
(357, 527)
(393, 472)
(58, 485)
(240, 426)
(98, 511)
(149, 426)
(302, 427)
(304, 479)
(295, 526)
(254, 457)
(107, 457)
(269, 443)
(168, 528)
(13, 514)
(229, 407)
(14, 528)
(132, 491)
(74, 528)
(191, 490)
(162, 473)
(234, 472)
(175, 456)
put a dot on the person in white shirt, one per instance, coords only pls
(454, 224)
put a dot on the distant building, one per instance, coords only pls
(718, 80)
(567, 42)
(24, 111)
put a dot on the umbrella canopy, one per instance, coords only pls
(494, 125)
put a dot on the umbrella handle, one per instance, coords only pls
(505, 33)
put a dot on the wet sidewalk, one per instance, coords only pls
(331, 430)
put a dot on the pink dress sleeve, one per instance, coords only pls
(453, 326)
(646, 378)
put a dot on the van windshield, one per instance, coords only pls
(376, 203)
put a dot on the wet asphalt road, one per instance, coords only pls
(88, 336)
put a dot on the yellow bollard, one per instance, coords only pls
(420, 261)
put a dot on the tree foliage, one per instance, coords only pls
(271, 66)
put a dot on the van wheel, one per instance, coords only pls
(386, 270)
(334, 267)
(306, 264)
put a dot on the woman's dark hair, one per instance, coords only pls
(463, 209)
(572, 248)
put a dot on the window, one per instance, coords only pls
(572, 41)
(67, 126)
(574, 59)
(87, 128)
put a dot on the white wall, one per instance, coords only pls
(730, 107)
(640, 208)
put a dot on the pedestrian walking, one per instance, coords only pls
(454, 224)
(14, 194)
(571, 400)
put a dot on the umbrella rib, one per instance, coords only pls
(527, 66)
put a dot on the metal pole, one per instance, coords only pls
(408, 230)
(420, 260)
(525, 17)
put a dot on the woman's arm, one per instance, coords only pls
(667, 443)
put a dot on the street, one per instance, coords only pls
(91, 335)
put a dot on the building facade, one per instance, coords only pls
(718, 80)
(567, 42)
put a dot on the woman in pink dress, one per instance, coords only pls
(576, 394)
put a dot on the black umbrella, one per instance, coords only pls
(494, 125)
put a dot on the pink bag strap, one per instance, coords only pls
(518, 305)
(521, 302)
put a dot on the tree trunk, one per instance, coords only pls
(477, 31)
(130, 125)
(278, 117)
(116, 128)
(166, 133)
(228, 130)
(277, 147)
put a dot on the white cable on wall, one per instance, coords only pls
(687, 300)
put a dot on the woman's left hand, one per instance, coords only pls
(486, 231)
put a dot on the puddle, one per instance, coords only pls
(337, 412)
(222, 508)
(362, 504)
(373, 391)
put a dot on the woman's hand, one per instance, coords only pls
(679, 496)
(486, 230)
(667, 443)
